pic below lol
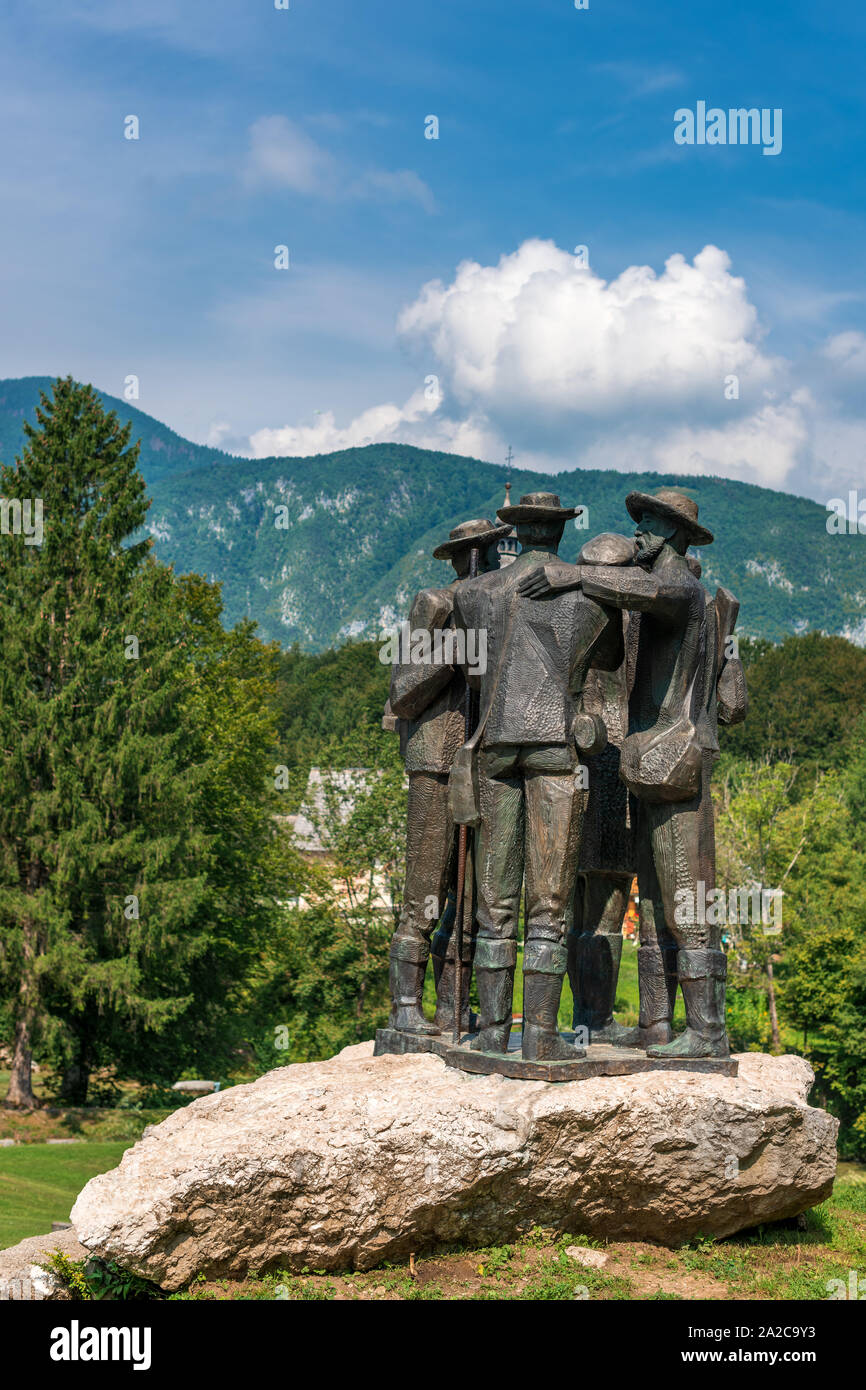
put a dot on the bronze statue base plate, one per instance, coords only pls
(394, 1040)
(601, 1059)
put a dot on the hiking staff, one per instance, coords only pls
(462, 848)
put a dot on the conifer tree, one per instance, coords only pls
(112, 857)
(61, 602)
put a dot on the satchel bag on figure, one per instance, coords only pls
(663, 763)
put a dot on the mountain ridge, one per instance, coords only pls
(360, 525)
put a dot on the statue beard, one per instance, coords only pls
(647, 549)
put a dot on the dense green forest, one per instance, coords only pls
(355, 538)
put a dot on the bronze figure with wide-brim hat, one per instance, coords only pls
(673, 506)
(537, 506)
(479, 534)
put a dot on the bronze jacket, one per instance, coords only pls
(675, 643)
(538, 652)
(427, 698)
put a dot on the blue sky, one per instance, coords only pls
(306, 127)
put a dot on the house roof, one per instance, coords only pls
(337, 789)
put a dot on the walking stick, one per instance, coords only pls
(462, 848)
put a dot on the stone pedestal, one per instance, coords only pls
(361, 1159)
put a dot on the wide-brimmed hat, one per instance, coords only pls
(473, 534)
(673, 506)
(537, 506)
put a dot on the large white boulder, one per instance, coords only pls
(356, 1160)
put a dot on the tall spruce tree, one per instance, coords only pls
(61, 608)
(229, 714)
(108, 852)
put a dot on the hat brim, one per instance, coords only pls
(519, 513)
(640, 502)
(482, 541)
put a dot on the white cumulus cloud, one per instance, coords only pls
(379, 424)
(663, 371)
(541, 329)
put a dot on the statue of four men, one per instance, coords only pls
(589, 759)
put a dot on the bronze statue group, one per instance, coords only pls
(578, 756)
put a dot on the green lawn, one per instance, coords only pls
(39, 1183)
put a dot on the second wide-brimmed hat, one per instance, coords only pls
(537, 506)
(673, 506)
(470, 534)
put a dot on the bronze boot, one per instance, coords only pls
(702, 978)
(576, 944)
(438, 956)
(445, 990)
(494, 978)
(407, 967)
(599, 976)
(657, 984)
(544, 965)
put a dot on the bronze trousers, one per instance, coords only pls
(676, 853)
(531, 818)
(429, 856)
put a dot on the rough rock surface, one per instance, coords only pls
(25, 1274)
(356, 1160)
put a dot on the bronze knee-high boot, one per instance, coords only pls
(445, 975)
(657, 985)
(702, 975)
(495, 962)
(600, 962)
(407, 966)
(544, 964)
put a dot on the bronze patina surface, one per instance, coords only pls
(599, 1059)
(589, 758)
(396, 1040)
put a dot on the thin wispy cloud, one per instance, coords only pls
(194, 26)
(639, 79)
(282, 155)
